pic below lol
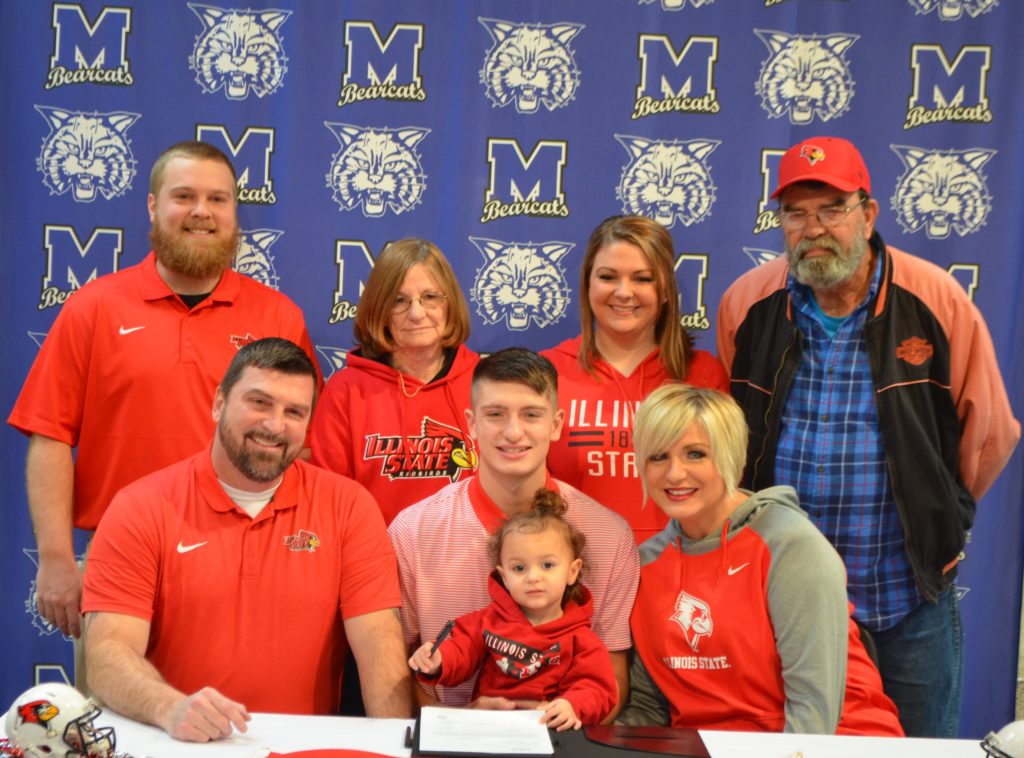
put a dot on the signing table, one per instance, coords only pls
(288, 734)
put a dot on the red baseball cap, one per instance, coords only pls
(831, 160)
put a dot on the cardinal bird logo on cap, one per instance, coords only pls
(812, 153)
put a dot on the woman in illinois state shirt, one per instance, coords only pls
(631, 343)
(394, 418)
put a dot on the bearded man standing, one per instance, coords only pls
(128, 371)
(870, 384)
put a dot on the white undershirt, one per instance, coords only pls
(251, 502)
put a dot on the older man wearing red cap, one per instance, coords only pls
(870, 384)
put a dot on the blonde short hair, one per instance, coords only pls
(671, 409)
(372, 327)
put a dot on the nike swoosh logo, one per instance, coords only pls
(189, 548)
(122, 331)
(732, 570)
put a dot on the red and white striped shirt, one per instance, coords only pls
(444, 561)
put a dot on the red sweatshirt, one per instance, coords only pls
(595, 452)
(750, 629)
(400, 438)
(562, 658)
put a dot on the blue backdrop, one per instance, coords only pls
(504, 130)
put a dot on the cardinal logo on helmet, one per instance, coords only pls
(38, 712)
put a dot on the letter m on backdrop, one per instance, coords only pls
(250, 154)
(939, 83)
(371, 60)
(77, 43)
(355, 262)
(664, 73)
(515, 176)
(70, 264)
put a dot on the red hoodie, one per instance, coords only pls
(562, 658)
(400, 438)
(595, 452)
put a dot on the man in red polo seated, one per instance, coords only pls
(231, 581)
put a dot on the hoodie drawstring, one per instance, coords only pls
(724, 563)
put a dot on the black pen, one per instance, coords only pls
(445, 631)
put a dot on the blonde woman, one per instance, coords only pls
(741, 621)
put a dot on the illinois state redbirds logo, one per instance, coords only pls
(40, 712)
(694, 616)
(439, 451)
(304, 541)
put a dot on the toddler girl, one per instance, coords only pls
(533, 643)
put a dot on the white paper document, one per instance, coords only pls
(462, 730)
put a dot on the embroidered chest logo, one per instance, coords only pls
(302, 542)
(240, 342)
(915, 350)
(517, 660)
(694, 616)
(440, 451)
(942, 191)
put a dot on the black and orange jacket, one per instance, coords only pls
(943, 410)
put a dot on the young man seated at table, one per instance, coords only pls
(442, 541)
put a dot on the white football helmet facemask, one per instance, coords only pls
(1008, 742)
(56, 721)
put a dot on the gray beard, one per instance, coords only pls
(826, 271)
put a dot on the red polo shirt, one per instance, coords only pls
(250, 606)
(128, 373)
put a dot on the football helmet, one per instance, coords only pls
(1008, 742)
(56, 721)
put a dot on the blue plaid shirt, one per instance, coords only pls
(830, 449)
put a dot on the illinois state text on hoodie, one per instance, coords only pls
(562, 658)
(595, 452)
(400, 438)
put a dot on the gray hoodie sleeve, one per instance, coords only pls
(646, 706)
(808, 606)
